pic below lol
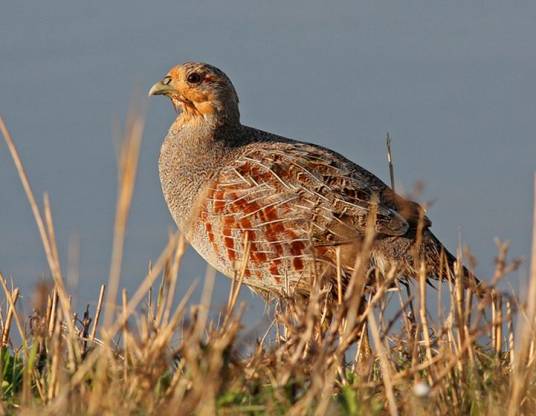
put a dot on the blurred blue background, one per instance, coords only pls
(453, 82)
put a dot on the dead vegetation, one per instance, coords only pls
(377, 349)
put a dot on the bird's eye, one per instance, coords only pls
(166, 80)
(194, 78)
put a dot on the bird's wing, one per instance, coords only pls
(327, 180)
(313, 185)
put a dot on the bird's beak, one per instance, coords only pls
(160, 89)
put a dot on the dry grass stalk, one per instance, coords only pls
(13, 297)
(526, 336)
(98, 311)
(385, 365)
(128, 164)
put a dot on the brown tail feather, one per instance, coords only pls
(444, 265)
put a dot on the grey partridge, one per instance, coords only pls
(295, 209)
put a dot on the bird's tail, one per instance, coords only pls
(444, 265)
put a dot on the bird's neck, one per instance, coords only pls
(215, 114)
(193, 144)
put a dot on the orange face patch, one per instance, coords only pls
(176, 72)
(194, 100)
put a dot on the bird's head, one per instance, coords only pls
(200, 90)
